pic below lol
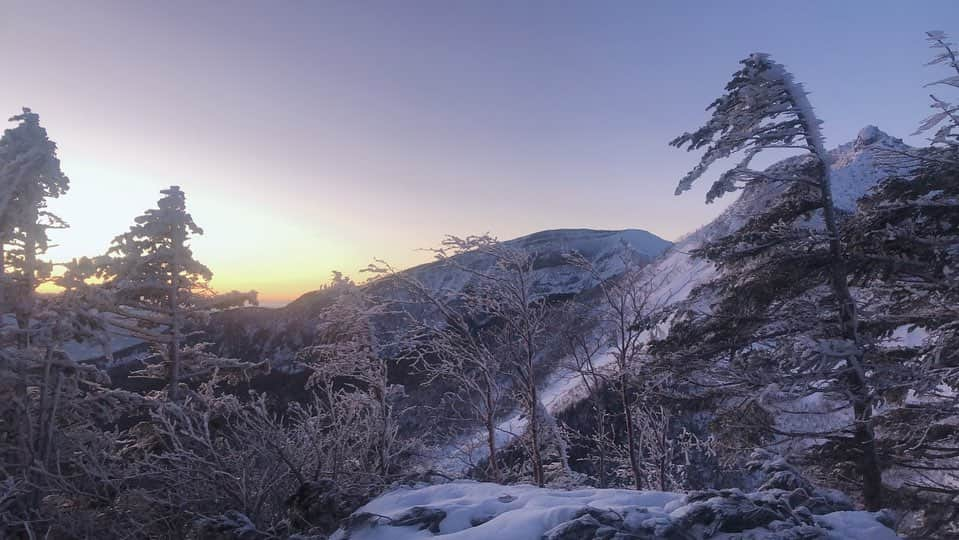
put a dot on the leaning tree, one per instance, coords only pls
(765, 108)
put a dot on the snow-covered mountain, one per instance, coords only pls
(278, 333)
(855, 166)
(553, 274)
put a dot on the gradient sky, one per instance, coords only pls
(312, 136)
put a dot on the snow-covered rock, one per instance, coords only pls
(465, 510)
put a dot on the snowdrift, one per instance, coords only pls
(465, 510)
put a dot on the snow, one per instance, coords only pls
(509, 512)
(465, 510)
(856, 525)
(564, 387)
(552, 275)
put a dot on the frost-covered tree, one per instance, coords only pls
(161, 293)
(904, 251)
(945, 121)
(765, 108)
(518, 317)
(633, 305)
(586, 347)
(30, 175)
(346, 354)
(51, 405)
(452, 349)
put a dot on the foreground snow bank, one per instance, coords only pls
(464, 510)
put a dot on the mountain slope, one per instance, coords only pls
(856, 167)
(277, 333)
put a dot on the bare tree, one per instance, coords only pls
(347, 354)
(633, 305)
(504, 293)
(450, 346)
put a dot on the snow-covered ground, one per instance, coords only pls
(465, 510)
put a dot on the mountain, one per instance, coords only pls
(855, 168)
(278, 333)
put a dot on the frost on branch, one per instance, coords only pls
(763, 108)
(946, 113)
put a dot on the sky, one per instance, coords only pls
(314, 136)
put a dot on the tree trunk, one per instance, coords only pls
(174, 348)
(864, 435)
(602, 448)
(491, 432)
(534, 427)
(630, 431)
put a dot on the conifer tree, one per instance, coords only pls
(30, 174)
(50, 404)
(161, 292)
(765, 108)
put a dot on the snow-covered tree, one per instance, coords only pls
(519, 320)
(584, 353)
(161, 291)
(51, 405)
(765, 108)
(347, 354)
(29, 175)
(904, 251)
(633, 304)
(453, 351)
(945, 121)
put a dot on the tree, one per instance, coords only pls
(450, 346)
(946, 117)
(29, 175)
(518, 317)
(347, 355)
(904, 250)
(160, 289)
(586, 348)
(765, 108)
(632, 306)
(54, 403)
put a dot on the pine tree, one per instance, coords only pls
(765, 108)
(904, 250)
(29, 175)
(53, 402)
(161, 292)
(946, 117)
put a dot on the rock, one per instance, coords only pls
(424, 516)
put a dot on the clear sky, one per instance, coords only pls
(312, 136)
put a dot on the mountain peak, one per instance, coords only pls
(871, 135)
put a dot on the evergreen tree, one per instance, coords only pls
(765, 108)
(904, 250)
(29, 175)
(50, 404)
(161, 292)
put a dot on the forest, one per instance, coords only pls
(792, 366)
